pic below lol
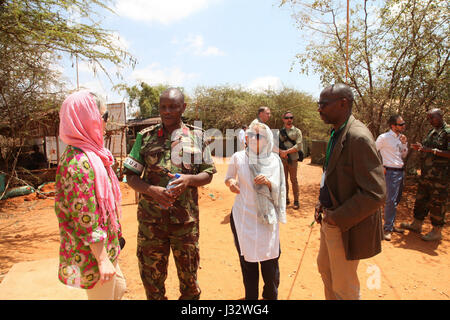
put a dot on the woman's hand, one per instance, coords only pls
(106, 269)
(261, 179)
(105, 266)
(233, 185)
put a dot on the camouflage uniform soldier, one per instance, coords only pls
(169, 219)
(432, 191)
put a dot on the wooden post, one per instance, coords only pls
(57, 148)
(346, 58)
(121, 152)
(78, 79)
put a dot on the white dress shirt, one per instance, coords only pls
(242, 136)
(257, 241)
(392, 150)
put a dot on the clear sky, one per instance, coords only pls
(251, 43)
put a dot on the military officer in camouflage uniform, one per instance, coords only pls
(169, 219)
(432, 191)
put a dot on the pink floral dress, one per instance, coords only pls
(78, 218)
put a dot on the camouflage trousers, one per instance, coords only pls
(154, 242)
(431, 197)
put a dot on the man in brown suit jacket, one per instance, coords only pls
(352, 192)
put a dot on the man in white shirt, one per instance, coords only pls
(263, 116)
(241, 138)
(393, 147)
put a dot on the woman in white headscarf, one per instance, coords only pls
(259, 206)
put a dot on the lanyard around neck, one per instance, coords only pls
(328, 154)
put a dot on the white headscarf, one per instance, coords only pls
(271, 204)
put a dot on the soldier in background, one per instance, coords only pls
(169, 219)
(432, 191)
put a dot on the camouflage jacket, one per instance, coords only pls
(435, 167)
(154, 155)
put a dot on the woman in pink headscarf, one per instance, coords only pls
(87, 202)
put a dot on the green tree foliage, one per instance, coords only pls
(29, 85)
(33, 35)
(398, 55)
(302, 106)
(143, 99)
(225, 107)
(71, 26)
(222, 107)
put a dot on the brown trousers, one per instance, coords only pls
(290, 169)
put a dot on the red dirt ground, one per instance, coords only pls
(407, 268)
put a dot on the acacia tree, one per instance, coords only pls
(398, 55)
(33, 35)
(143, 99)
(71, 26)
(222, 107)
(227, 107)
(302, 106)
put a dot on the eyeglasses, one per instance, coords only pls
(105, 116)
(287, 118)
(257, 135)
(400, 124)
(323, 103)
